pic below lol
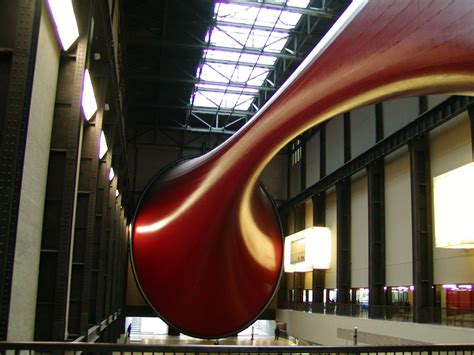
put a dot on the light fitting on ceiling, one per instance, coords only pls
(89, 103)
(65, 22)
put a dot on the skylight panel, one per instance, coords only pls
(288, 19)
(244, 103)
(254, 58)
(298, 3)
(236, 13)
(202, 100)
(209, 72)
(276, 43)
(247, 28)
(228, 36)
(223, 100)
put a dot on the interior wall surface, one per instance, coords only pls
(295, 179)
(331, 223)
(434, 100)
(35, 169)
(334, 144)
(359, 233)
(450, 148)
(308, 210)
(362, 123)
(398, 113)
(313, 151)
(274, 177)
(338, 330)
(398, 224)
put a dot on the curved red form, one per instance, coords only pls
(206, 242)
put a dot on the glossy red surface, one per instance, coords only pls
(206, 243)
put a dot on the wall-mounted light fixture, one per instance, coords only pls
(307, 250)
(102, 145)
(65, 22)
(89, 103)
(453, 202)
(111, 174)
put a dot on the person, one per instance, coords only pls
(277, 332)
(129, 330)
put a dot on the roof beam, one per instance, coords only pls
(253, 27)
(298, 10)
(195, 109)
(223, 90)
(147, 43)
(157, 78)
(198, 130)
(234, 62)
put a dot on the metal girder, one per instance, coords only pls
(206, 110)
(252, 26)
(233, 62)
(158, 78)
(298, 10)
(424, 123)
(422, 231)
(150, 42)
(188, 128)
(376, 183)
(223, 90)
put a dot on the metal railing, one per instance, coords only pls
(458, 317)
(57, 348)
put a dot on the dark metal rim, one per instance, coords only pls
(137, 280)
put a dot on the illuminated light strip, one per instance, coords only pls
(65, 21)
(111, 174)
(103, 148)
(89, 103)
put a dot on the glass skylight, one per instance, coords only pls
(243, 46)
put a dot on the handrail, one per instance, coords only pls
(68, 346)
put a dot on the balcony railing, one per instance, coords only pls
(33, 348)
(459, 317)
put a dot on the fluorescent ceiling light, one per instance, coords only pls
(65, 21)
(89, 104)
(453, 202)
(111, 174)
(102, 145)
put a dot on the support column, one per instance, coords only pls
(470, 110)
(375, 175)
(110, 231)
(422, 229)
(343, 196)
(20, 60)
(347, 137)
(322, 150)
(60, 205)
(379, 135)
(101, 235)
(319, 276)
(82, 278)
(303, 162)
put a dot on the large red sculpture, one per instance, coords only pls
(206, 243)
